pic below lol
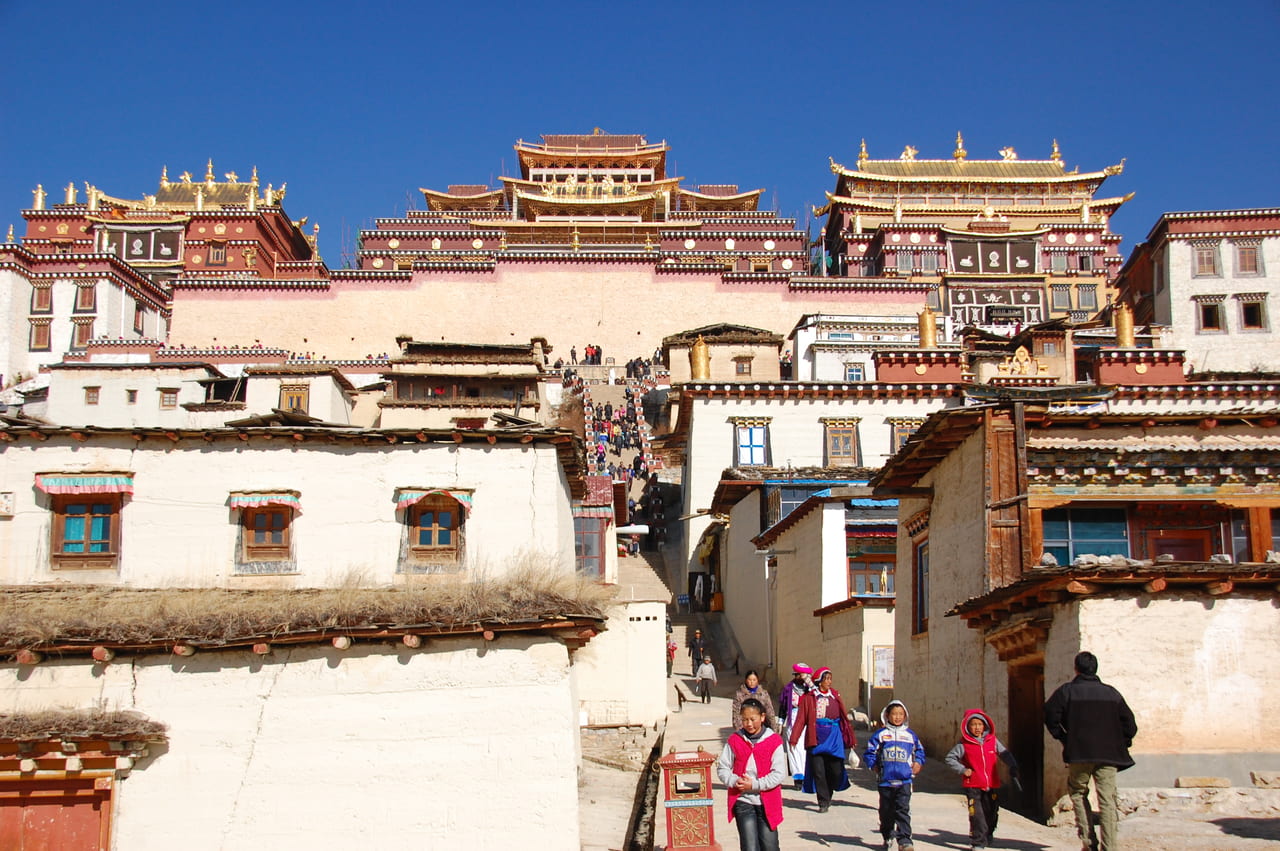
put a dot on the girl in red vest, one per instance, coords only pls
(975, 759)
(753, 765)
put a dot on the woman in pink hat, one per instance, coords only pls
(788, 709)
(823, 724)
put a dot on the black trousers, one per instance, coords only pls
(826, 770)
(895, 812)
(984, 811)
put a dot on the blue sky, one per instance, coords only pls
(356, 105)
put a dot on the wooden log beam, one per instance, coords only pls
(1075, 586)
(1156, 585)
(1220, 587)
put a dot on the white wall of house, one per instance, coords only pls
(744, 582)
(938, 673)
(621, 674)
(848, 637)
(1235, 348)
(797, 437)
(68, 403)
(311, 747)
(177, 528)
(325, 399)
(799, 590)
(1199, 673)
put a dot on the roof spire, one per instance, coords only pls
(862, 154)
(38, 195)
(253, 181)
(1056, 156)
(164, 177)
(959, 153)
(9, 238)
(208, 173)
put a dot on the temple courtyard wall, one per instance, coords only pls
(624, 307)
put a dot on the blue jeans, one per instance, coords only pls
(754, 833)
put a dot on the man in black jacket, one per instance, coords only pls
(1096, 728)
(698, 649)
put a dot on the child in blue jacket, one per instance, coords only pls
(896, 754)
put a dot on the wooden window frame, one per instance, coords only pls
(860, 564)
(86, 298)
(920, 585)
(61, 505)
(595, 528)
(855, 372)
(742, 366)
(139, 317)
(216, 253)
(92, 395)
(1253, 268)
(41, 337)
(834, 433)
(745, 448)
(168, 398)
(251, 550)
(302, 391)
(1218, 326)
(1260, 323)
(1204, 261)
(42, 298)
(81, 334)
(435, 553)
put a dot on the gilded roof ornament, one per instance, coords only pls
(959, 153)
(38, 195)
(232, 177)
(862, 154)
(185, 177)
(208, 173)
(1113, 170)
(253, 181)
(1056, 156)
(836, 168)
(71, 193)
(164, 177)
(1008, 154)
(9, 238)
(908, 154)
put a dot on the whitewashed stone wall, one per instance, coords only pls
(177, 530)
(461, 744)
(621, 675)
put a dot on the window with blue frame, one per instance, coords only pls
(86, 530)
(1075, 531)
(753, 445)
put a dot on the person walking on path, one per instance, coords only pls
(697, 651)
(706, 674)
(789, 711)
(1096, 728)
(671, 654)
(753, 766)
(823, 721)
(974, 759)
(896, 754)
(749, 689)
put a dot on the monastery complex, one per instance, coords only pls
(261, 517)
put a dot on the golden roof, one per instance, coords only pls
(1019, 210)
(958, 170)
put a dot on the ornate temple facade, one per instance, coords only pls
(997, 243)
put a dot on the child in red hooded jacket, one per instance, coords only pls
(975, 759)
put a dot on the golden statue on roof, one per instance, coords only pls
(1008, 154)
(908, 154)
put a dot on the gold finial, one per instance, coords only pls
(908, 154)
(928, 327)
(862, 154)
(253, 197)
(208, 172)
(1056, 156)
(253, 181)
(1123, 318)
(1008, 154)
(959, 153)
(577, 242)
(71, 193)
(164, 177)
(150, 201)
(38, 196)
(699, 360)
(199, 197)
(280, 192)
(232, 177)
(269, 197)
(9, 238)
(648, 241)
(91, 193)
(315, 229)
(185, 177)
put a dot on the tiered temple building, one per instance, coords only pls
(997, 243)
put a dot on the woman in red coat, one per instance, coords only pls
(823, 720)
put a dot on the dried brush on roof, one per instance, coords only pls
(80, 724)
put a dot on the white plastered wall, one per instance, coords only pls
(177, 530)
(464, 743)
(621, 674)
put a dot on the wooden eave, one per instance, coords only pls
(1041, 586)
(803, 390)
(941, 433)
(1017, 210)
(864, 602)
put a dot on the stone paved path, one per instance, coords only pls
(938, 810)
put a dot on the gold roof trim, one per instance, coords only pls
(1020, 209)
